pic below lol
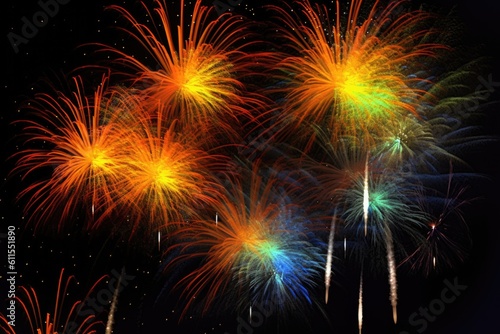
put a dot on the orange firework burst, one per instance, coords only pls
(166, 178)
(76, 153)
(194, 80)
(351, 78)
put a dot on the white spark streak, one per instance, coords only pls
(360, 303)
(345, 246)
(329, 256)
(391, 263)
(366, 199)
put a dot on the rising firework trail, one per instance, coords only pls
(329, 257)
(360, 303)
(391, 264)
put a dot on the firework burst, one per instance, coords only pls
(195, 76)
(446, 233)
(167, 179)
(258, 249)
(379, 206)
(79, 152)
(350, 78)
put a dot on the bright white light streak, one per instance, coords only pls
(345, 246)
(360, 303)
(329, 257)
(391, 263)
(216, 219)
(250, 315)
(433, 226)
(366, 199)
(159, 240)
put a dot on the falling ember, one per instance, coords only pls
(328, 269)
(360, 303)
(345, 246)
(216, 219)
(392, 276)
(159, 239)
(250, 315)
(366, 200)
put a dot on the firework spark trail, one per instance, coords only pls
(60, 318)
(390, 208)
(366, 196)
(391, 264)
(360, 303)
(329, 257)
(111, 317)
(159, 241)
(345, 246)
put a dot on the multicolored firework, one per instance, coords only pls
(353, 149)
(256, 250)
(351, 78)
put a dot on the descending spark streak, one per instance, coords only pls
(111, 317)
(216, 219)
(328, 269)
(391, 263)
(366, 199)
(345, 246)
(360, 303)
(159, 238)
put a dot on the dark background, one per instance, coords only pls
(143, 306)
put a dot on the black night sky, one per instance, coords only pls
(146, 303)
